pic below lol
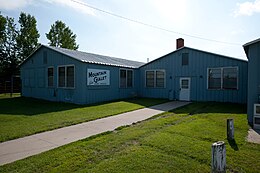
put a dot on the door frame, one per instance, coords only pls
(189, 84)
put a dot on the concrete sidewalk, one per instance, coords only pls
(17, 149)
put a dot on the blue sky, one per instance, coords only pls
(225, 21)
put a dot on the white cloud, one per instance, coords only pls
(77, 6)
(14, 4)
(247, 8)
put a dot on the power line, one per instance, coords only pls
(152, 26)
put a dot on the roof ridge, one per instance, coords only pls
(89, 53)
(96, 58)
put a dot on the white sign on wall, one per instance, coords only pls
(98, 77)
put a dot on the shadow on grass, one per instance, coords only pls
(233, 144)
(211, 107)
(31, 106)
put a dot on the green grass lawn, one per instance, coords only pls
(21, 116)
(177, 141)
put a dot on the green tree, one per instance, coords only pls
(2, 41)
(27, 39)
(2, 28)
(8, 49)
(61, 36)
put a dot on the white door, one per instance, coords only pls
(184, 89)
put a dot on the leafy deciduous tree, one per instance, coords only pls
(61, 36)
(2, 40)
(8, 48)
(27, 39)
(2, 28)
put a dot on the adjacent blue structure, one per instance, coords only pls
(252, 50)
(187, 74)
(195, 75)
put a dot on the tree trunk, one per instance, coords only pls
(218, 160)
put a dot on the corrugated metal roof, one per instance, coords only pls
(252, 42)
(246, 46)
(97, 59)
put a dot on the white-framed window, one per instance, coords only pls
(225, 78)
(66, 76)
(50, 73)
(155, 78)
(126, 78)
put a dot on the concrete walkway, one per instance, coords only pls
(17, 149)
(253, 136)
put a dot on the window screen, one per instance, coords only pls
(149, 78)
(61, 71)
(185, 59)
(257, 120)
(70, 76)
(122, 78)
(230, 78)
(159, 79)
(129, 78)
(214, 78)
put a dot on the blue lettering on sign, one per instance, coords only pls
(97, 74)
(97, 79)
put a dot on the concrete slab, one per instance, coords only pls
(21, 148)
(253, 136)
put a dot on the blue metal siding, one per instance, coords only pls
(34, 78)
(95, 94)
(36, 72)
(253, 78)
(197, 71)
(37, 69)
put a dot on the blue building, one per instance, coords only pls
(63, 75)
(252, 50)
(187, 74)
(193, 75)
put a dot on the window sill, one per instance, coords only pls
(156, 87)
(222, 89)
(66, 87)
